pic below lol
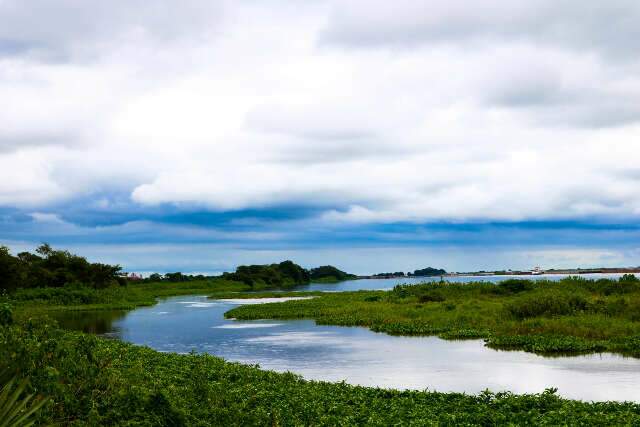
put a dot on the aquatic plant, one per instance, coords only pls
(95, 381)
(571, 315)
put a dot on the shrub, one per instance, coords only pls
(6, 315)
(431, 297)
(550, 303)
(514, 286)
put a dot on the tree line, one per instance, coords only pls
(54, 268)
(50, 268)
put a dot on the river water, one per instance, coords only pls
(359, 356)
(386, 284)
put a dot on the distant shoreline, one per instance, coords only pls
(577, 271)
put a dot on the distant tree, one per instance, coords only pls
(285, 274)
(176, 277)
(329, 273)
(429, 271)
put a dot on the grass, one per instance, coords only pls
(573, 315)
(39, 301)
(95, 381)
(88, 380)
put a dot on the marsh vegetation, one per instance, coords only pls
(87, 380)
(573, 315)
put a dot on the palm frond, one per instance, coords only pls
(16, 409)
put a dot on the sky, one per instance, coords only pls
(372, 135)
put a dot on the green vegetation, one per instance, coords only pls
(16, 408)
(176, 277)
(94, 381)
(573, 315)
(329, 274)
(51, 268)
(31, 302)
(428, 272)
(424, 272)
(388, 275)
(88, 380)
(283, 275)
(54, 280)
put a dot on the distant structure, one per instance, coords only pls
(134, 277)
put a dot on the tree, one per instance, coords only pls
(155, 277)
(9, 270)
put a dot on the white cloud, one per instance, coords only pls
(476, 116)
(608, 28)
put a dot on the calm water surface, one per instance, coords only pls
(386, 284)
(359, 356)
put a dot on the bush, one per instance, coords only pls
(431, 297)
(6, 314)
(550, 303)
(514, 286)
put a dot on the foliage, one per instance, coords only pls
(16, 409)
(546, 303)
(176, 277)
(95, 381)
(30, 302)
(429, 272)
(6, 314)
(573, 315)
(283, 275)
(513, 286)
(329, 274)
(54, 268)
(389, 275)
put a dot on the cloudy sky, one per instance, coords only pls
(373, 135)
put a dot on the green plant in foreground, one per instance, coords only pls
(6, 314)
(17, 410)
(96, 381)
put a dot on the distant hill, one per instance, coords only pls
(329, 274)
(284, 275)
(428, 272)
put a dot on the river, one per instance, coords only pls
(357, 355)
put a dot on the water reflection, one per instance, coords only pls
(94, 322)
(359, 356)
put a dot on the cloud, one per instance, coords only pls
(607, 28)
(67, 30)
(525, 111)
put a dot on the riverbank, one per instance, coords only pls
(96, 381)
(570, 316)
(39, 301)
